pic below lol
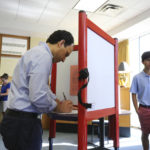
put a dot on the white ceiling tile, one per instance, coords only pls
(59, 7)
(8, 8)
(35, 3)
(113, 23)
(128, 14)
(100, 19)
(44, 16)
(30, 9)
(23, 27)
(54, 13)
(32, 6)
(51, 17)
(9, 14)
(62, 4)
(26, 18)
(9, 4)
(71, 19)
(142, 5)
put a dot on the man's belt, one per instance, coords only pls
(146, 106)
(23, 114)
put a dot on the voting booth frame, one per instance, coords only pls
(83, 115)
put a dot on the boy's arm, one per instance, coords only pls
(135, 102)
(4, 94)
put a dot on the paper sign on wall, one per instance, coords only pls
(73, 80)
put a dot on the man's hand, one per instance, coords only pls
(65, 106)
(57, 100)
(75, 107)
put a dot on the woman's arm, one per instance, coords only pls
(4, 94)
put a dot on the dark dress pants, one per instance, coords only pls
(21, 133)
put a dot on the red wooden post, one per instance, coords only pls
(116, 120)
(82, 59)
(52, 128)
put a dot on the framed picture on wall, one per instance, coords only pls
(13, 46)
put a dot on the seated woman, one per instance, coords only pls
(4, 92)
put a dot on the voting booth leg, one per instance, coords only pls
(82, 132)
(50, 144)
(114, 130)
(82, 136)
(102, 132)
(116, 141)
(52, 133)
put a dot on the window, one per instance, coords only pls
(13, 46)
(11, 49)
(137, 47)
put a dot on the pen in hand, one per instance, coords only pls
(65, 98)
(74, 107)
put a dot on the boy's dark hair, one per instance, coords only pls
(60, 35)
(4, 76)
(145, 55)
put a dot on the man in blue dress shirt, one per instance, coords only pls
(140, 90)
(30, 95)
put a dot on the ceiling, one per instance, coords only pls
(41, 17)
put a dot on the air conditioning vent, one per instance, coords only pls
(110, 7)
(110, 10)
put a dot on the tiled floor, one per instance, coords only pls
(68, 141)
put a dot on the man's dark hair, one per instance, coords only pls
(4, 76)
(145, 55)
(61, 35)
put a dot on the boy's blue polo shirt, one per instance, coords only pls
(141, 86)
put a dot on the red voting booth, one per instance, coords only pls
(97, 52)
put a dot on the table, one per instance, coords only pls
(74, 117)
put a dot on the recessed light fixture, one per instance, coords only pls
(89, 5)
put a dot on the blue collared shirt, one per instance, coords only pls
(4, 89)
(29, 88)
(141, 86)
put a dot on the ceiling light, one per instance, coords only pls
(89, 5)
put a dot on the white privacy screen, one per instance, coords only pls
(63, 77)
(100, 59)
